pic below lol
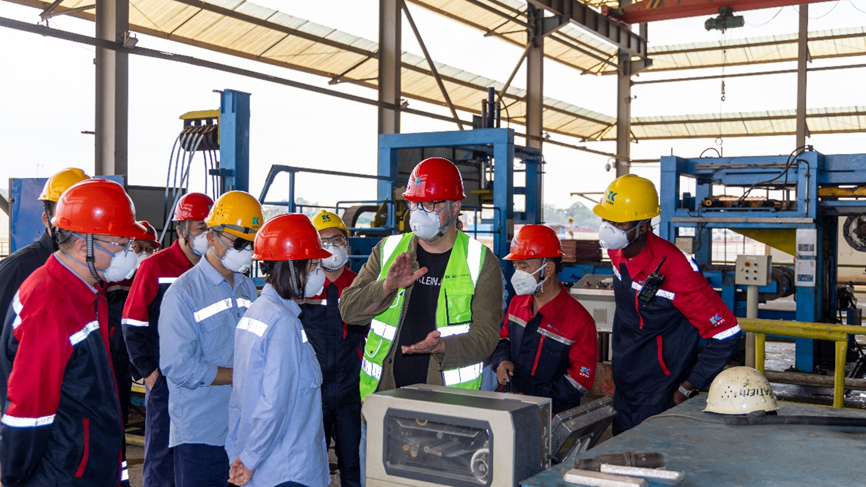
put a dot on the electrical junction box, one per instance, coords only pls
(753, 270)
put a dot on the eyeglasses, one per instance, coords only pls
(425, 206)
(312, 264)
(118, 246)
(237, 242)
(337, 241)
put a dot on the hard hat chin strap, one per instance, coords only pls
(91, 259)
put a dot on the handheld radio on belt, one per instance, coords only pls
(652, 284)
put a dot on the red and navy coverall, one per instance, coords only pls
(140, 320)
(554, 351)
(655, 344)
(61, 421)
(338, 348)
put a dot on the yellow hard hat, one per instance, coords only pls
(60, 182)
(740, 390)
(237, 213)
(629, 198)
(326, 219)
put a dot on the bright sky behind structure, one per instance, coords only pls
(49, 101)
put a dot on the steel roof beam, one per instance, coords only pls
(608, 29)
(655, 10)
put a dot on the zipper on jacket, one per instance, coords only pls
(661, 360)
(80, 472)
(538, 354)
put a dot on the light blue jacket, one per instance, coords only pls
(197, 321)
(275, 413)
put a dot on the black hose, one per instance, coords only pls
(809, 420)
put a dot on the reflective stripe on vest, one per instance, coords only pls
(453, 313)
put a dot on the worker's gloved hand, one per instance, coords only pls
(400, 274)
(433, 344)
(504, 372)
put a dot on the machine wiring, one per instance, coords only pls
(792, 157)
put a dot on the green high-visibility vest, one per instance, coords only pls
(453, 310)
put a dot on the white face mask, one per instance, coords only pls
(338, 258)
(315, 283)
(140, 256)
(236, 260)
(524, 283)
(199, 244)
(426, 225)
(122, 264)
(612, 238)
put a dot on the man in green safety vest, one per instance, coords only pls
(435, 292)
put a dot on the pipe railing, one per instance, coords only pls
(816, 331)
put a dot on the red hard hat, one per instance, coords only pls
(535, 242)
(97, 206)
(435, 179)
(192, 206)
(149, 233)
(289, 237)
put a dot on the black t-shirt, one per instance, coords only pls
(420, 319)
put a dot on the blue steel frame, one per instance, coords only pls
(810, 170)
(234, 126)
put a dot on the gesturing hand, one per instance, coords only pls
(400, 274)
(432, 344)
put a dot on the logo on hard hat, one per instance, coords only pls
(326, 218)
(418, 179)
(610, 196)
(255, 220)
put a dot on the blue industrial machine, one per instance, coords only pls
(792, 203)
(495, 172)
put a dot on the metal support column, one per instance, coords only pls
(623, 108)
(112, 89)
(390, 62)
(623, 113)
(802, 58)
(535, 91)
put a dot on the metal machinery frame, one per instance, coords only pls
(826, 189)
(398, 153)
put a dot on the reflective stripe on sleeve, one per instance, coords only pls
(463, 374)
(132, 322)
(166, 280)
(17, 307)
(213, 309)
(575, 384)
(371, 369)
(253, 326)
(450, 331)
(81, 334)
(517, 320)
(15, 422)
(384, 330)
(727, 333)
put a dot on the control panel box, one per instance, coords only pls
(753, 270)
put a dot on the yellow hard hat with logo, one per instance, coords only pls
(60, 182)
(325, 219)
(629, 198)
(237, 213)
